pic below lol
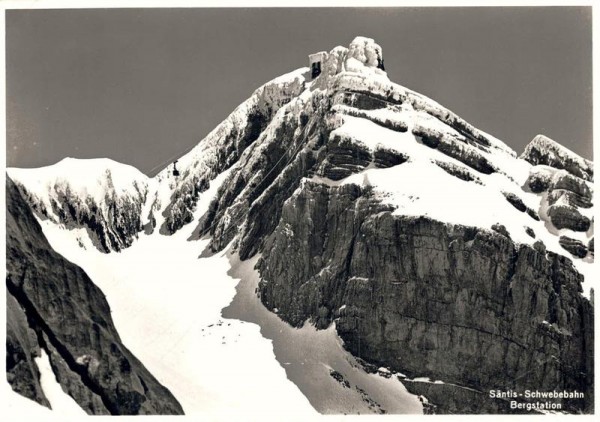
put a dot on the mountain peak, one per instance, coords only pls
(363, 55)
(546, 151)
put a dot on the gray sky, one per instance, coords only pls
(140, 85)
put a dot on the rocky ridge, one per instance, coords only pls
(52, 304)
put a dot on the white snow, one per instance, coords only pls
(166, 305)
(310, 355)
(557, 151)
(363, 52)
(419, 187)
(60, 401)
(89, 178)
(26, 409)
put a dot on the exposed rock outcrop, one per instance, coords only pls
(426, 298)
(103, 197)
(543, 150)
(344, 157)
(574, 246)
(53, 304)
(461, 151)
(566, 217)
(224, 146)
(21, 348)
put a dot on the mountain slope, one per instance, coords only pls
(435, 250)
(53, 305)
(102, 196)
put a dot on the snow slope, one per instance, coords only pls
(310, 356)
(167, 306)
(420, 187)
(98, 179)
(61, 402)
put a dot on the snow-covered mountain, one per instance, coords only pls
(104, 197)
(434, 249)
(60, 330)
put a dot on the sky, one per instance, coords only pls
(141, 86)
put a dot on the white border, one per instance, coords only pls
(88, 4)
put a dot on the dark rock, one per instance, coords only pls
(570, 198)
(339, 378)
(428, 407)
(384, 158)
(518, 203)
(515, 201)
(457, 171)
(576, 247)
(500, 228)
(573, 189)
(538, 183)
(461, 304)
(181, 209)
(461, 151)
(539, 247)
(111, 228)
(591, 245)
(422, 297)
(530, 232)
(429, 138)
(367, 100)
(543, 150)
(425, 298)
(53, 298)
(21, 348)
(565, 217)
(238, 134)
(344, 157)
(395, 125)
(471, 134)
(573, 184)
(533, 214)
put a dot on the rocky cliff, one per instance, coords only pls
(454, 303)
(104, 198)
(427, 292)
(52, 304)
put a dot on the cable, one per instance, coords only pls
(231, 225)
(170, 159)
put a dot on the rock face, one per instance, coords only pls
(455, 303)
(565, 217)
(222, 148)
(21, 348)
(103, 197)
(566, 200)
(54, 305)
(432, 247)
(574, 246)
(543, 150)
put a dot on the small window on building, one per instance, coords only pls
(380, 61)
(315, 61)
(315, 69)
